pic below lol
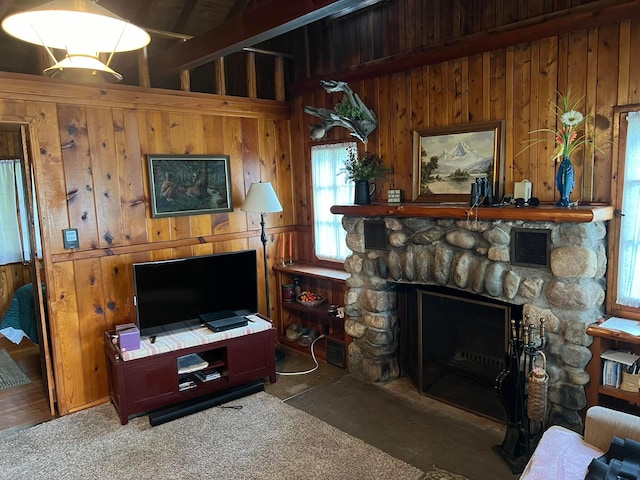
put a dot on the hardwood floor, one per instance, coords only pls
(28, 404)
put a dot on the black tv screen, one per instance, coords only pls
(171, 294)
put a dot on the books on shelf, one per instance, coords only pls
(207, 376)
(614, 363)
(191, 363)
(185, 382)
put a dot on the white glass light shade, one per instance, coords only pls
(261, 198)
(82, 68)
(78, 26)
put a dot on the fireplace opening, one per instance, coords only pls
(454, 345)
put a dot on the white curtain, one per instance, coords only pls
(24, 219)
(629, 244)
(330, 188)
(10, 242)
(14, 221)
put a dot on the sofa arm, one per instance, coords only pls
(602, 423)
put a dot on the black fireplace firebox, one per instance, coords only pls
(454, 344)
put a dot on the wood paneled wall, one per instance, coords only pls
(12, 277)
(89, 149)
(515, 84)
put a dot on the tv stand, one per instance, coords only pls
(140, 385)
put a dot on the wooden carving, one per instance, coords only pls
(351, 114)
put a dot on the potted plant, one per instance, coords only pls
(361, 170)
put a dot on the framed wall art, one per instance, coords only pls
(189, 184)
(447, 160)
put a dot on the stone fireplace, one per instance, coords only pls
(450, 247)
(453, 344)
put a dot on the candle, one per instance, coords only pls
(290, 245)
(282, 242)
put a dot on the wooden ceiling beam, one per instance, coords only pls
(5, 5)
(256, 25)
(185, 13)
(237, 8)
(142, 12)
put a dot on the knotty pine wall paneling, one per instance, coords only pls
(517, 84)
(90, 168)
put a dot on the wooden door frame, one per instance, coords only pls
(29, 144)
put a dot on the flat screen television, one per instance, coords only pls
(171, 294)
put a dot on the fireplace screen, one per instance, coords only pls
(462, 345)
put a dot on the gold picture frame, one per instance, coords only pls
(447, 160)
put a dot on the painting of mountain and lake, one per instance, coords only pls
(447, 160)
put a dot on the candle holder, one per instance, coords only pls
(283, 261)
(291, 260)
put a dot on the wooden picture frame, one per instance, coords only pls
(447, 160)
(189, 184)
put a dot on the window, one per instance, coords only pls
(330, 188)
(625, 234)
(11, 251)
(14, 219)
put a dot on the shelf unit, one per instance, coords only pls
(331, 284)
(153, 382)
(598, 394)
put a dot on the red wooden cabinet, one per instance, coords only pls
(144, 384)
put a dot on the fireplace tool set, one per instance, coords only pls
(522, 387)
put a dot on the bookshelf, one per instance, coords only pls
(598, 394)
(331, 284)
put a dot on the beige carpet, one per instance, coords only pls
(265, 439)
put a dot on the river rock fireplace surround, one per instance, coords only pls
(470, 251)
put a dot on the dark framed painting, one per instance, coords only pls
(189, 184)
(447, 160)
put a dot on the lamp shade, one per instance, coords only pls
(82, 68)
(78, 26)
(82, 28)
(261, 198)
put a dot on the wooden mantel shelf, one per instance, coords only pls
(541, 213)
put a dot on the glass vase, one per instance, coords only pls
(565, 180)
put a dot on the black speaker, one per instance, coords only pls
(375, 235)
(335, 353)
(165, 415)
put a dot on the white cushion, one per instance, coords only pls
(560, 454)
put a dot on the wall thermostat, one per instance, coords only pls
(70, 238)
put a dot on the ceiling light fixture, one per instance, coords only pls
(83, 29)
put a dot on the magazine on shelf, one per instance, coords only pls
(191, 363)
(185, 382)
(207, 376)
(632, 327)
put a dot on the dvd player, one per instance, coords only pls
(226, 323)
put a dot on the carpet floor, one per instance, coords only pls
(418, 430)
(10, 373)
(255, 437)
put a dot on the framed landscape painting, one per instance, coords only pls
(189, 184)
(447, 160)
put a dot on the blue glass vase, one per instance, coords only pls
(565, 180)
